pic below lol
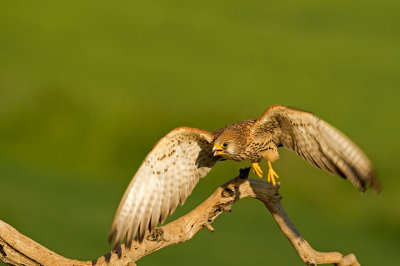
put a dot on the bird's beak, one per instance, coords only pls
(217, 149)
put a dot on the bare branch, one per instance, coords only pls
(17, 249)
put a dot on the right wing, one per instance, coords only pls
(318, 142)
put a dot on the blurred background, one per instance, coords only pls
(87, 88)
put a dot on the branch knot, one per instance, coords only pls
(157, 235)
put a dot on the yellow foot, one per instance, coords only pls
(257, 169)
(271, 174)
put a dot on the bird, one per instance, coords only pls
(177, 161)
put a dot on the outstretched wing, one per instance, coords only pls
(318, 142)
(166, 177)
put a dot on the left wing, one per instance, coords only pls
(166, 177)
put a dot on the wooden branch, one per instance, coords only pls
(17, 249)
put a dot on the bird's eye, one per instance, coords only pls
(224, 145)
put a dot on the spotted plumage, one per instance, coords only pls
(173, 167)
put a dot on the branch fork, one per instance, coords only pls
(17, 249)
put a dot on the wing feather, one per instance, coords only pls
(166, 178)
(318, 142)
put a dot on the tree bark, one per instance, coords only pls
(17, 249)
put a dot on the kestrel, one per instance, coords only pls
(173, 167)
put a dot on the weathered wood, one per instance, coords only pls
(17, 249)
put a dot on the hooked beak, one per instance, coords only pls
(217, 149)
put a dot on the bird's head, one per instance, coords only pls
(227, 144)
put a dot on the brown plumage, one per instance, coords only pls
(173, 167)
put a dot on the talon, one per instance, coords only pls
(271, 174)
(257, 169)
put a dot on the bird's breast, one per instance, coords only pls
(254, 149)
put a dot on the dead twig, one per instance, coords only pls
(17, 249)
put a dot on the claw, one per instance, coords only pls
(271, 174)
(257, 169)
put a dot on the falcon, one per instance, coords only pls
(173, 167)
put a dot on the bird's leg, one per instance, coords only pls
(257, 169)
(271, 154)
(271, 174)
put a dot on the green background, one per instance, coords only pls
(87, 88)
